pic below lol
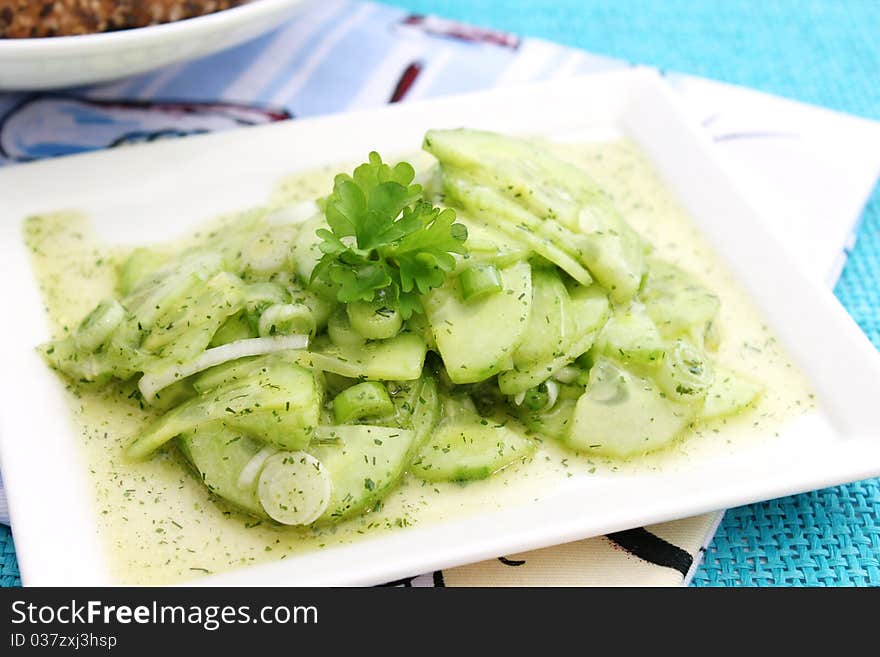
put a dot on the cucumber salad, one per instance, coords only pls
(437, 324)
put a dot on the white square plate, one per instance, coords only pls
(154, 191)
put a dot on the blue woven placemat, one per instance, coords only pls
(822, 52)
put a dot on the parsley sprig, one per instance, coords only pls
(386, 244)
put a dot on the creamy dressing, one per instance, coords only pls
(159, 522)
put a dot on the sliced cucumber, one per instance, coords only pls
(235, 328)
(294, 488)
(487, 245)
(622, 414)
(97, 327)
(570, 209)
(364, 462)
(588, 310)
(729, 394)
(341, 333)
(426, 412)
(269, 251)
(490, 206)
(187, 328)
(162, 373)
(548, 331)
(478, 339)
(397, 359)
(678, 303)
(631, 335)
(555, 423)
(139, 266)
(466, 446)
(220, 455)
(522, 170)
(279, 405)
(416, 407)
(363, 400)
(160, 293)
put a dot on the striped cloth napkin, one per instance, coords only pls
(802, 165)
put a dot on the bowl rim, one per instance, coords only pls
(97, 40)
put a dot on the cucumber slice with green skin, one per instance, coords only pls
(160, 293)
(219, 455)
(519, 225)
(729, 394)
(367, 399)
(466, 446)
(588, 311)
(425, 414)
(341, 333)
(279, 405)
(233, 371)
(269, 251)
(550, 321)
(489, 246)
(567, 204)
(397, 359)
(478, 339)
(187, 329)
(479, 281)
(417, 407)
(364, 463)
(84, 367)
(631, 336)
(622, 414)
(294, 488)
(117, 357)
(138, 267)
(97, 327)
(233, 329)
(321, 308)
(162, 373)
(522, 170)
(173, 395)
(679, 305)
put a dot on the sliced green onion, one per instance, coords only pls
(367, 399)
(374, 320)
(479, 281)
(685, 373)
(287, 319)
(294, 488)
(537, 398)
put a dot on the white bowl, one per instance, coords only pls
(44, 63)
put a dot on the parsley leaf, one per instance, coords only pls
(385, 242)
